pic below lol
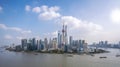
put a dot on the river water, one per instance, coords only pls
(21, 59)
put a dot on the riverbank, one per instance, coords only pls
(96, 51)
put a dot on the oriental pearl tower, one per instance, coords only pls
(64, 36)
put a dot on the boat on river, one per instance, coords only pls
(117, 55)
(69, 55)
(103, 57)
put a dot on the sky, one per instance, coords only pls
(91, 20)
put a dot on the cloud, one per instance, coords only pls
(79, 28)
(1, 9)
(71, 21)
(51, 34)
(15, 28)
(8, 37)
(47, 13)
(19, 38)
(55, 8)
(37, 37)
(54, 33)
(36, 9)
(44, 8)
(89, 31)
(26, 32)
(3, 26)
(27, 8)
(75, 23)
(20, 30)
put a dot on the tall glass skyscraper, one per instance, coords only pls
(59, 40)
(70, 40)
(34, 44)
(46, 43)
(24, 44)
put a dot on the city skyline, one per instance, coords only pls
(86, 20)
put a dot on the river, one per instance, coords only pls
(21, 59)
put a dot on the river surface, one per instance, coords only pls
(21, 59)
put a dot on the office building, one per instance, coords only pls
(46, 44)
(24, 44)
(59, 40)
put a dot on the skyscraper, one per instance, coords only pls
(38, 45)
(41, 44)
(70, 40)
(24, 44)
(34, 47)
(54, 43)
(29, 44)
(85, 47)
(46, 43)
(64, 36)
(58, 41)
(50, 43)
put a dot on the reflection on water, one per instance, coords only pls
(21, 59)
